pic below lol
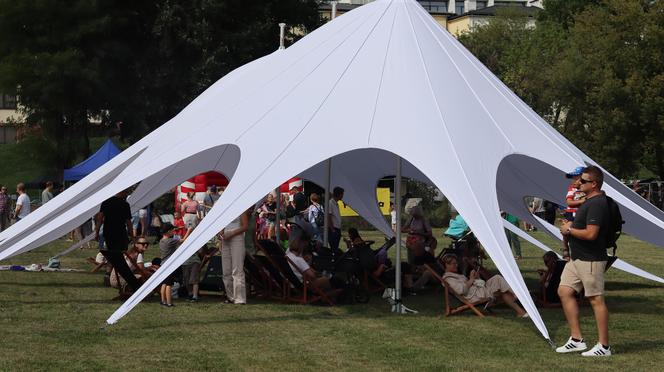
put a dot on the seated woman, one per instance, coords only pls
(474, 289)
(298, 241)
(135, 261)
(550, 278)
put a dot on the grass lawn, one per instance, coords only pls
(55, 321)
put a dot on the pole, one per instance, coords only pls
(328, 180)
(333, 15)
(282, 35)
(277, 221)
(397, 205)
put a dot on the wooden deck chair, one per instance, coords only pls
(276, 282)
(96, 266)
(303, 292)
(256, 276)
(464, 303)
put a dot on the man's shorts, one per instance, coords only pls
(586, 275)
(191, 273)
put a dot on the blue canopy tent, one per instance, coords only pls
(105, 153)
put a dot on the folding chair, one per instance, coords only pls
(464, 303)
(303, 292)
(96, 266)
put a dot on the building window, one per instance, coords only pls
(481, 4)
(459, 9)
(7, 101)
(510, 3)
(434, 6)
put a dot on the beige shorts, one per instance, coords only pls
(587, 275)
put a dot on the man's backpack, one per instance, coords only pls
(614, 230)
(319, 219)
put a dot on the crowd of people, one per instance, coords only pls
(299, 222)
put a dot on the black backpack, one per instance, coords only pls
(614, 229)
(320, 217)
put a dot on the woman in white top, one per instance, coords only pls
(475, 289)
(232, 259)
(135, 261)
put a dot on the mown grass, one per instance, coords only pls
(56, 321)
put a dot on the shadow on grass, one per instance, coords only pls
(621, 286)
(52, 284)
(637, 347)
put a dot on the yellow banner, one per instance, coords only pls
(383, 196)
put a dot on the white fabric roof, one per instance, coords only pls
(383, 78)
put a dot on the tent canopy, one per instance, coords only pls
(105, 153)
(380, 84)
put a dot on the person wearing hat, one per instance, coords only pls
(574, 197)
(167, 245)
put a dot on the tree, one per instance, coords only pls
(594, 70)
(138, 63)
(67, 61)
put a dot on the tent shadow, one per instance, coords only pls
(636, 346)
(52, 284)
(633, 305)
(620, 286)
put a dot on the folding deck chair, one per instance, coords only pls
(293, 289)
(464, 303)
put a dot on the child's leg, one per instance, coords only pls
(162, 292)
(169, 294)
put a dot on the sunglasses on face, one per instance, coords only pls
(584, 181)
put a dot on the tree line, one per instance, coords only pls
(594, 69)
(128, 66)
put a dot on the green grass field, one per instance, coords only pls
(55, 321)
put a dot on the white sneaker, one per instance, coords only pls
(572, 346)
(598, 350)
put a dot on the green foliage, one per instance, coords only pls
(27, 161)
(594, 70)
(138, 63)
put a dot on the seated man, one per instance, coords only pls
(474, 289)
(298, 241)
(550, 278)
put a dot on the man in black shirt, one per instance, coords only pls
(587, 237)
(115, 215)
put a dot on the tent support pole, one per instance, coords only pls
(397, 265)
(328, 180)
(277, 221)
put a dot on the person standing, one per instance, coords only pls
(189, 210)
(335, 218)
(232, 259)
(47, 194)
(587, 237)
(115, 215)
(22, 203)
(512, 238)
(393, 217)
(4, 208)
(315, 216)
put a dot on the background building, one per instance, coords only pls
(8, 115)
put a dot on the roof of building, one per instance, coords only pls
(490, 11)
(348, 7)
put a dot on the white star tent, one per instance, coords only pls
(378, 82)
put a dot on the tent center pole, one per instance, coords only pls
(397, 264)
(326, 207)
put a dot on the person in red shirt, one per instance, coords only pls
(178, 222)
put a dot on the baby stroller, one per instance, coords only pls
(465, 246)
